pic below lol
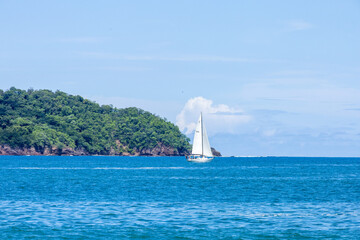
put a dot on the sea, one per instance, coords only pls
(101, 197)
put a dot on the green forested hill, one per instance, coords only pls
(58, 122)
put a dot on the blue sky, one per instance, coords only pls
(271, 77)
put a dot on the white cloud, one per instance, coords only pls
(219, 118)
(269, 132)
(125, 68)
(298, 25)
(189, 58)
(179, 58)
(82, 40)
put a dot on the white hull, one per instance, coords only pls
(202, 159)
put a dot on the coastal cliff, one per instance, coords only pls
(54, 151)
(156, 151)
(215, 152)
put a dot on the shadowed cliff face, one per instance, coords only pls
(159, 150)
(7, 150)
(215, 152)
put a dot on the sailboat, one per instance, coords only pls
(201, 151)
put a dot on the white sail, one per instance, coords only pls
(197, 142)
(206, 145)
(201, 145)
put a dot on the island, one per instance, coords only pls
(43, 122)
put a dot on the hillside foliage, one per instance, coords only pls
(45, 119)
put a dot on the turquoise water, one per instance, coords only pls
(170, 198)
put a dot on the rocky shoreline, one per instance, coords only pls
(159, 150)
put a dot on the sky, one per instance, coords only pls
(272, 78)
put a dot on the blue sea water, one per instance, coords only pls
(170, 198)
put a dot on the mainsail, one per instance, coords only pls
(201, 145)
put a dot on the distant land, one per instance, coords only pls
(42, 122)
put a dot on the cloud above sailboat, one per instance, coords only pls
(219, 118)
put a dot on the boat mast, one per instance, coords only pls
(202, 140)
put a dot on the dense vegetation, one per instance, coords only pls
(45, 119)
